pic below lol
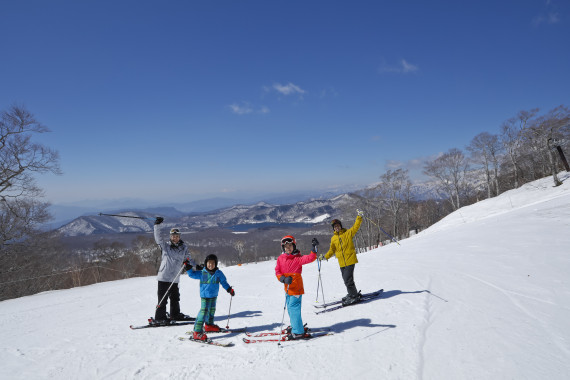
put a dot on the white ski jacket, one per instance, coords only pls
(172, 257)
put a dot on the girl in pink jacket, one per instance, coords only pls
(288, 271)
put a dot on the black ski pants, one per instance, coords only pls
(174, 296)
(348, 277)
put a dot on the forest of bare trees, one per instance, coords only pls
(528, 146)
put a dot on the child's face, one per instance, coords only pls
(288, 247)
(211, 264)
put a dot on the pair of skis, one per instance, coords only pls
(213, 342)
(168, 323)
(276, 336)
(335, 305)
(261, 337)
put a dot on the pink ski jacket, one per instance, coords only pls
(292, 265)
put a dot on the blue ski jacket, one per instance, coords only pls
(209, 282)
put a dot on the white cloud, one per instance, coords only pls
(246, 108)
(288, 89)
(408, 67)
(240, 109)
(549, 15)
(553, 18)
(392, 164)
(550, 18)
(403, 67)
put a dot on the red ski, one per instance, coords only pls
(284, 337)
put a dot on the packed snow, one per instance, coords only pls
(483, 294)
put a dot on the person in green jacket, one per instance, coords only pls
(342, 247)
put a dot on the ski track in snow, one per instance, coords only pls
(424, 333)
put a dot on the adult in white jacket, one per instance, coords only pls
(175, 254)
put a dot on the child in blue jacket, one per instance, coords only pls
(210, 279)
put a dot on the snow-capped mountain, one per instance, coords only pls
(90, 225)
(308, 212)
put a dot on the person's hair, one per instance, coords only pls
(336, 221)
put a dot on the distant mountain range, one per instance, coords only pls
(307, 212)
(65, 213)
(218, 212)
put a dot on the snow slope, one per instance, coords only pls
(483, 294)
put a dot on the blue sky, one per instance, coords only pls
(184, 100)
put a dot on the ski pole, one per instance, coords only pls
(127, 216)
(172, 283)
(396, 241)
(322, 286)
(229, 313)
(283, 318)
(319, 281)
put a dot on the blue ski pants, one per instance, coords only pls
(294, 309)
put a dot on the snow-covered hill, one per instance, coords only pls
(483, 294)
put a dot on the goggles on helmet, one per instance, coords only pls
(175, 231)
(288, 239)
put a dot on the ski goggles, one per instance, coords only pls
(175, 231)
(287, 240)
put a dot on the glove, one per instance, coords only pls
(286, 280)
(231, 291)
(159, 219)
(187, 265)
(199, 267)
(322, 256)
(315, 243)
(360, 212)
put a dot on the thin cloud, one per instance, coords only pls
(403, 67)
(288, 89)
(549, 15)
(408, 67)
(550, 19)
(392, 164)
(246, 108)
(328, 92)
(412, 164)
(240, 109)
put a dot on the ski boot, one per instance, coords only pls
(199, 336)
(182, 317)
(293, 336)
(212, 328)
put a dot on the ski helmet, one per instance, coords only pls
(211, 257)
(288, 239)
(174, 231)
(336, 221)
